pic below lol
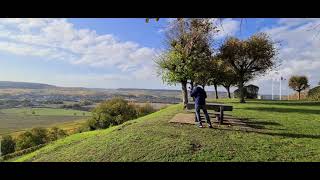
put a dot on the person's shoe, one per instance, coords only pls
(200, 126)
(210, 126)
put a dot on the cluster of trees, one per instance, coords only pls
(77, 106)
(114, 112)
(28, 139)
(191, 59)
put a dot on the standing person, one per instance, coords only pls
(200, 96)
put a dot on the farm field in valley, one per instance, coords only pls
(18, 119)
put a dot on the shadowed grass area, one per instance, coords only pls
(287, 133)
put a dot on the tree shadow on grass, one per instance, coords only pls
(260, 124)
(280, 134)
(284, 110)
(286, 103)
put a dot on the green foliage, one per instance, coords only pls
(298, 83)
(314, 94)
(248, 58)
(22, 152)
(33, 112)
(56, 133)
(7, 145)
(111, 112)
(172, 67)
(25, 140)
(34, 137)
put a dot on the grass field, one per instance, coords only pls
(19, 119)
(286, 131)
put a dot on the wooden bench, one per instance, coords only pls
(220, 108)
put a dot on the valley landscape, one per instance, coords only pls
(126, 90)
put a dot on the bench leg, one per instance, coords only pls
(221, 116)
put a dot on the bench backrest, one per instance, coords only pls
(212, 106)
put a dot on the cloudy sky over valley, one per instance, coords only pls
(119, 53)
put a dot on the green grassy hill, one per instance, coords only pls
(285, 131)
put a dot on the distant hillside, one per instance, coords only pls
(14, 88)
(24, 85)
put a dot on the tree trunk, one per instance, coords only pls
(228, 90)
(191, 84)
(299, 94)
(191, 88)
(241, 88)
(184, 94)
(216, 90)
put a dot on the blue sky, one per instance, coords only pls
(115, 53)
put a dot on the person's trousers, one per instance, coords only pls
(204, 109)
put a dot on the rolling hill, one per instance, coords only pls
(24, 85)
(284, 131)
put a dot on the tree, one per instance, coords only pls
(298, 83)
(188, 41)
(216, 69)
(248, 58)
(7, 145)
(229, 78)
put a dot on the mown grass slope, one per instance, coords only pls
(286, 131)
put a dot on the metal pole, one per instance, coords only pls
(280, 87)
(0, 147)
(272, 89)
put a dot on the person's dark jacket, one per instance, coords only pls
(200, 95)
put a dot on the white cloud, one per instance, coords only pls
(299, 49)
(226, 27)
(57, 39)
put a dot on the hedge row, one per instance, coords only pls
(22, 152)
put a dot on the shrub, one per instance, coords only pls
(22, 152)
(32, 138)
(111, 112)
(56, 133)
(314, 94)
(7, 145)
(25, 140)
(144, 110)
